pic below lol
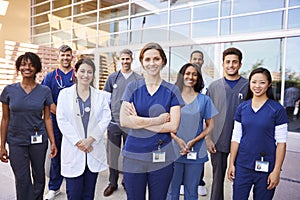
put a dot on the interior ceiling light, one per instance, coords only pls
(3, 7)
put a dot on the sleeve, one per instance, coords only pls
(4, 97)
(281, 132)
(46, 80)
(49, 99)
(237, 132)
(210, 109)
(108, 85)
(237, 116)
(281, 116)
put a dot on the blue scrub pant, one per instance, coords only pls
(189, 174)
(138, 174)
(56, 179)
(245, 178)
(22, 158)
(83, 186)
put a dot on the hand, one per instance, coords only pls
(273, 180)
(3, 155)
(183, 147)
(210, 145)
(130, 110)
(85, 145)
(163, 118)
(53, 150)
(190, 144)
(231, 173)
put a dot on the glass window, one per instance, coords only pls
(149, 35)
(42, 8)
(226, 8)
(41, 39)
(45, 28)
(294, 16)
(292, 82)
(257, 23)
(225, 26)
(114, 13)
(294, 2)
(108, 3)
(114, 26)
(85, 32)
(157, 19)
(85, 7)
(40, 19)
(115, 39)
(141, 6)
(61, 24)
(206, 11)
(62, 13)
(85, 19)
(82, 44)
(205, 29)
(180, 15)
(61, 3)
(244, 6)
(61, 36)
(262, 53)
(180, 32)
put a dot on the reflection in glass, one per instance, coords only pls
(149, 35)
(85, 19)
(226, 7)
(180, 15)
(244, 6)
(206, 11)
(41, 8)
(65, 12)
(156, 19)
(294, 2)
(41, 39)
(45, 28)
(225, 27)
(85, 7)
(205, 29)
(180, 32)
(294, 16)
(114, 12)
(257, 23)
(141, 6)
(40, 19)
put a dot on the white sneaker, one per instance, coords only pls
(52, 194)
(181, 190)
(202, 191)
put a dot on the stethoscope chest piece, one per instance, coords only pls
(115, 86)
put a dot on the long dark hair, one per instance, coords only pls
(198, 86)
(267, 73)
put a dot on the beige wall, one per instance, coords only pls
(16, 23)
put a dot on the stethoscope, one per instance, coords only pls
(59, 81)
(115, 85)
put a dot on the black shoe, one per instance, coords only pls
(109, 190)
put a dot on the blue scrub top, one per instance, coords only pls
(191, 125)
(54, 84)
(25, 112)
(259, 132)
(140, 143)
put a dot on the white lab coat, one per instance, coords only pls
(73, 160)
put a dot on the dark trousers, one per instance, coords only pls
(138, 174)
(22, 158)
(219, 165)
(202, 182)
(115, 137)
(83, 186)
(56, 179)
(245, 179)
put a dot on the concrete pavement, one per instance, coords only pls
(288, 189)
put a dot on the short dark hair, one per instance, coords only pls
(64, 48)
(179, 82)
(35, 61)
(267, 73)
(126, 51)
(196, 51)
(89, 62)
(153, 45)
(234, 51)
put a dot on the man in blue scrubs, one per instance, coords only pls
(60, 78)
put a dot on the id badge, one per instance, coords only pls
(36, 139)
(158, 156)
(192, 155)
(261, 166)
